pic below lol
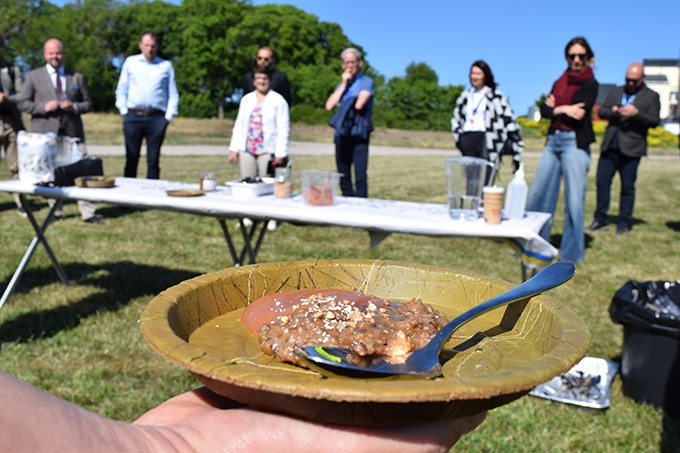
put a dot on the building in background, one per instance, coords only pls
(663, 76)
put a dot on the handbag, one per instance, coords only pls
(66, 175)
(271, 169)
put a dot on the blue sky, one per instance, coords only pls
(523, 41)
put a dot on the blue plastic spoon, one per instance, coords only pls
(425, 361)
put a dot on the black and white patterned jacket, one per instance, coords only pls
(502, 130)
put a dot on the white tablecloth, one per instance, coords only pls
(379, 217)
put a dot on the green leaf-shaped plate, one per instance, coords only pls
(495, 358)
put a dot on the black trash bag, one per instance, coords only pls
(653, 304)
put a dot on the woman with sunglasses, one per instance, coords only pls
(483, 122)
(567, 149)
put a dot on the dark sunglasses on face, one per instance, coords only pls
(632, 81)
(581, 56)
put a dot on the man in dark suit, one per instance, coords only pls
(56, 97)
(280, 84)
(631, 110)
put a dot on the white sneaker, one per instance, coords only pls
(247, 222)
(271, 225)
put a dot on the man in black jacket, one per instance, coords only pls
(631, 110)
(10, 119)
(10, 116)
(280, 83)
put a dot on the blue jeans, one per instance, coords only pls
(350, 151)
(135, 129)
(560, 158)
(610, 162)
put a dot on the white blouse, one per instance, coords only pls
(275, 123)
(474, 113)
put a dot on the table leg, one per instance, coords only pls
(230, 243)
(38, 238)
(528, 272)
(247, 239)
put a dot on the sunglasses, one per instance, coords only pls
(632, 81)
(581, 56)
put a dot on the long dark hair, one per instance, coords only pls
(582, 41)
(488, 75)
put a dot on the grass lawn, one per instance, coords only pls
(83, 342)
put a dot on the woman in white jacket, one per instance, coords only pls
(261, 129)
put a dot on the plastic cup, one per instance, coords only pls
(493, 204)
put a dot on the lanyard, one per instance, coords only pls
(474, 110)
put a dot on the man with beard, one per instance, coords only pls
(279, 80)
(631, 110)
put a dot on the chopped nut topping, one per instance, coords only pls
(371, 327)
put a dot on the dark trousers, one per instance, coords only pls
(610, 162)
(350, 151)
(136, 128)
(472, 144)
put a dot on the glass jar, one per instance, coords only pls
(283, 182)
(208, 182)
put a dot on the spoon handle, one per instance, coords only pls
(550, 277)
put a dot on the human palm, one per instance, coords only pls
(202, 421)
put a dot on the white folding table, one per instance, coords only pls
(379, 217)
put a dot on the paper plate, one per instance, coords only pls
(185, 193)
(95, 181)
(500, 356)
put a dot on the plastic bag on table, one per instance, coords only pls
(36, 153)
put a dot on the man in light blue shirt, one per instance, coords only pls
(147, 98)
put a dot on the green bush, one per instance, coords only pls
(308, 114)
(197, 106)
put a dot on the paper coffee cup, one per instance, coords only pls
(493, 204)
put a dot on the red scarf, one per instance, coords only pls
(564, 89)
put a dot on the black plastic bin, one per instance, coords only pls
(650, 363)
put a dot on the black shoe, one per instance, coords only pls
(622, 229)
(95, 220)
(21, 211)
(598, 226)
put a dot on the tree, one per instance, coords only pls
(208, 66)
(416, 101)
(20, 28)
(86, 28)
(136, 18)
(308, 50)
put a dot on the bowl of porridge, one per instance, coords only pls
(490, 361)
